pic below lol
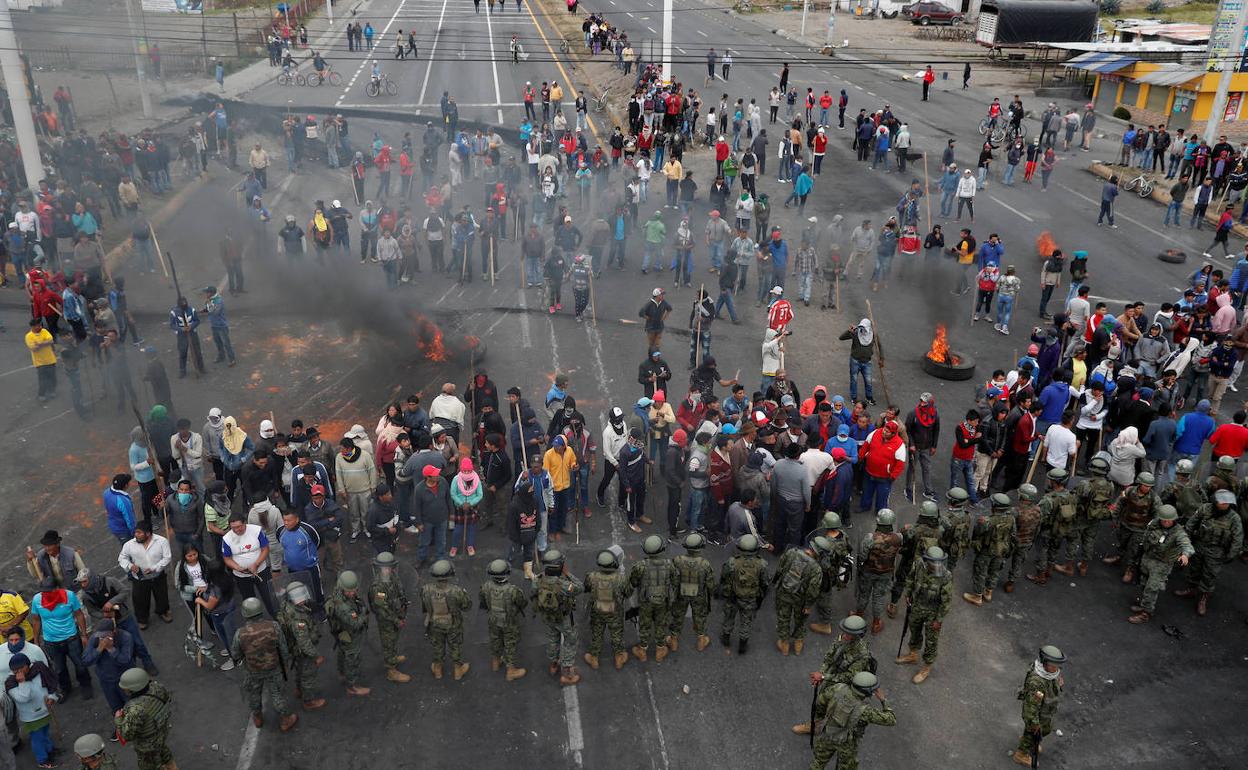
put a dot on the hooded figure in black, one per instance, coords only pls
(481, 393)
(564, 417)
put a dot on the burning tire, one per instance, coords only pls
(1173, 256)
(960, 367)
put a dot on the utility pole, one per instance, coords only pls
(329, 8)
(19, 100)
(667, 41)
(138, 61)
(1226, 40)
(805, 8)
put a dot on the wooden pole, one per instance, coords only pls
(491, 260)
(697, 310)
(160, 255)
(1035, 460)
(927, 194)
(199, 631)
(879, 354)
(593, 306)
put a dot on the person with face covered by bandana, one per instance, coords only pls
(563, 417)
(614, 437)
(862, 349)
(631, 462)
(214, 426)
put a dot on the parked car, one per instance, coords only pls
(925, 13)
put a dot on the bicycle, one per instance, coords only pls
(1141, 184)
(287, 78)
(375, 86)
(563, 46)
(600, 102)
(316, 78)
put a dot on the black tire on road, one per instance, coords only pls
(1173, 256)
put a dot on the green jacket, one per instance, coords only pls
(348, 616)
(798, 578)
(1059, 508)
(744, 578)
(1166, 544)
(145, 719)
(1040, 697)
(388, 601)
(843, 702)
(844, 659)
(301, 630)
(929, 593)
(656, 231)
(1220, 538)
(504, 602)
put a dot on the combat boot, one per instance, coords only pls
(1041, 577)
(743, 646)
(1009, 586)
(1083, 568)
(495, 663)
(569, 676)
(313, 705)
(1140, 617)
(436, 668)
(592, 660)
(460, 670)
(288, 722)
(639, 652)
(976, 599)
(921, 676)
(660, 652)
(257, 719)
(620, 659)
(703, 642)
(891, 609)
(673, 643)
(801, 728)
(821, 628)
(1021, 757)
(1111, 560)
(395, 675)
(553, 669)
(1128, 575)
(877, 626)
(1202, 605)
(909, 657)
(514, 673)
(726, 640)
(362, 691)
(1184, 592)
(797, 646)
(987, 594)
(783, 646)
(1067, 569)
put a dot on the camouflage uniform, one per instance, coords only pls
(915, 540)
(348, 620)
(844, 659)
(302, 634)
(262, 647)
(837, 571)
(1093, 497)
(444, 603)
(798, 579)
(695, 586)
(1135, 511)
(743, 582)
(555, 598)
(877, 556)
(608, 591)
(1058, 510)
(994, 538)
(144, 722)
(106, 763)
(841, 717)
(388, 601)
(930, 594)
(1161, 548)
(655, 581)
(957, 536)
(505, 605)
(1027, 518)
(1218, 537)
(1186, 496)
(1040, 697)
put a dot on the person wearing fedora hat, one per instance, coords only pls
(55, 565)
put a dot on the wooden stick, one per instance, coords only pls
(697, 309)
(1035, 460)
(160, 254)
(927, 194)
(199, 631)
(879, 354)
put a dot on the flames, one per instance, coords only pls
(429, 339)
(1045, 245)
(939, 351)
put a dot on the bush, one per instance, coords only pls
(1111, 7)
(1122, 113)
(1155, 6)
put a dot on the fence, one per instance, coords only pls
(65, 58)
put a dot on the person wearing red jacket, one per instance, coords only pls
(929, 77)
(819, 147)
(721, 155)
(691, 411)
(779, 312)
(406, 169)
(883, 455)
(825, 105)
(720, 480)
(962, 462)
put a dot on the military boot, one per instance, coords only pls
(514, 673)
(592, 660)
(783, 646)
(552, 669)
(660, 652)
(821, 628)
(1111, 560)
(877, 626)
(639, 652)
(288, 722)
(569, 676)
(1067, 569)
(703, 642)
(1202, 605)
(726, 640)
(257, 719)
(436, 668)
(1140, 617)
(673, 643)
(495, 663)
(976, 599)
(621, 658)
(1009, 586)
(1041, 577)
(360, 692)
(891, 609)
(801, 728)
(1128, 575)
(987, 594)
(313, 705)
(1184, 592)
(743, 646)
(797, 646)
(1083, 568)
(1021, 757)
(460, 670)
(909, 657)
(921, 676)
(395, 675)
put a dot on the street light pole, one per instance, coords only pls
(805, 8)
(138, 61)
(667, 41)
(19, 100)
(1225, 50)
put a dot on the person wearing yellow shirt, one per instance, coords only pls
(556, 97)
(14, 612)
(673, 172)
(43, 356)
(559, 462)
(964, 251)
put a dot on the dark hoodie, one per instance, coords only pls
(564, 417)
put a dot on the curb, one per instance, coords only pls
(1161, 193)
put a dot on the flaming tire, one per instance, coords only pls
(963, 369)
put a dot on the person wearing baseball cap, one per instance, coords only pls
(431, 510)
(655, 313)
(674, 470)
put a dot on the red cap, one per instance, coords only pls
(318, 489)
(838, 454)
(659, 397)
(891, 426)
(680, 438)
(430, 470)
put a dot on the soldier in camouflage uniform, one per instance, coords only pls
(743, 582)
(348, 620)
(444, 604)
(1218, 536)
(929, 592)
(608, 590)
(654, 580)
(847, 656)
(555, 598)
(504, 603)
(1183, 493)
(841, 718)
(695, 585)
(1027, 518)
(1040, 693)
(1093, 498)
(838, 568)
(1224, 471)
(957, 523)
(144, 721)
(302, 634)
(1136, 507)
(262, 646)
(91, 754)
(388, 601)
(877, 561)
(797, 580)
(1057, 516)
(994, 539)
(1163, 544)
(929, 531)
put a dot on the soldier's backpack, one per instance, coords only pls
(690, 584)
(439, 607)
(792, 579)
(157, 707)
(658, 581)
(1102, 494)
(604, 595)
(496, 602)
(1065, 507)
(959, 532)
(746, 576)
(1000, 535)
(841, 718)
(548, 594)
(881, 558)
(259, 642)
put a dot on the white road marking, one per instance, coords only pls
(858, 87)
(658, 723)
(446, 294)
(1136, 222)
(364, 62)
(604, 386)
(554, 343)
(501, 317)
(248, 749)
(433, 49)
(15, 371)
(678, 48)
(630, 14)
(572, 712)
(526, 338)
(498, 95)
(45, 422)
(653, 31)
(700, 32)
(1008, 207)
(419, 105)
(1110, 300)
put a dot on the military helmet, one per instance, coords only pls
(885, 518)
(1098, 465)
(694, 542)
(1184, 467)
(956, 496)
(88, 745)
(934, 553)
(653, 545)
(831, 520)
(606, 560)
(1050, 654)
(747, 543)
(1145, 478)
(552, 561)
(499, 568)
(297, 592)
(1000, 500)
(1057, 474)
(252, 608)
(1028, 492)
(442, 568)
(853, 624)
(134, 680)
(348, 581)
(821, 544)
(385, 559)
(1168, 513)
(929, 510)
(1226, 463)
(865, 682)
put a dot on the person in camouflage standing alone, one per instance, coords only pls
(555, 597)
(929, 593)
(388, 601)
(505, 605)
(1057, 512)
(1040, 693)
(608, 590)
(348, 620)
(91, 755)
(144, 721)
(847, 656)
(262, 646)
(837, 567)
(994, 538)
(444, 604)
(1165, 543)
(798, 579)
(655, 582)
(696, 578)
(1136, 507)
(957, 532)
(1027, 519)
(743, 582)
(877, 560)
(302, 634)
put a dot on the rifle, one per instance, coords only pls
(281, 663)
(814, 699)
(1036, 737)
(910, 476)
(905, 624)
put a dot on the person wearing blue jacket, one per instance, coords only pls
(120, 508)
(1190, 434)
(840, 411)
(1239, 278)
(1054, 398)
(842, 440)
(948, 190)
(991, 251)
(111, 651)
(881, 148)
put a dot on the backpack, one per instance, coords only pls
(658, 581)
(1102, 494)
(496, 600)
(439, 608)
(1001, 535)
(746, 576)
(548, 594)
(690, 583)
(1065, 507)
(841, 719)
(604, 595)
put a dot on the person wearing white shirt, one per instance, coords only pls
(145, 557)
(1091, 417)
(1060, 443)
(814, 459)
(245, 550)
(188, 450)
(449, 411)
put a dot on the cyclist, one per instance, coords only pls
(376, 73)
(319, 64)
(994, 113)
(1016, 114)
(288, 62)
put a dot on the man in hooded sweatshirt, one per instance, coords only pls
(1190, 434)
(862, 349)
